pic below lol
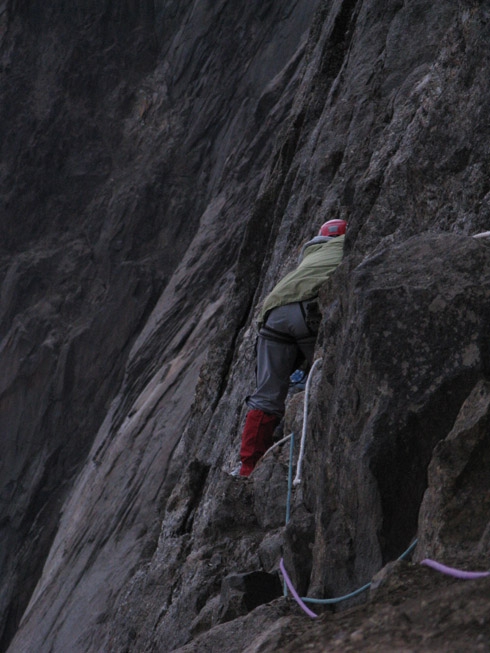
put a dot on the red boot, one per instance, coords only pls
(256, 438)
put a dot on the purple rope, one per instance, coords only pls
(450, 571)
(457, 573)
(295, 594)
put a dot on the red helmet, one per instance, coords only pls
(333, 228)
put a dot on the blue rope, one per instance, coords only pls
(338, 599)
(362, 589)
(290, 478)
(351, 595)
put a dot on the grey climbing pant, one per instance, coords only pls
(282, 339)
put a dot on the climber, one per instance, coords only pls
(288, 325)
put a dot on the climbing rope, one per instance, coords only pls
(483, 234)
(295, 594)
(301, 601)
(290, 477)
(297, 479)
(456, 573)
(276, 444)
(449, 571)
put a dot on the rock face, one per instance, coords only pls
(453, 518)
(161, 164)
(382, 408)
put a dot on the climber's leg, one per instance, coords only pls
(256, 438)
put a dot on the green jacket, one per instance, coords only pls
(319, 261)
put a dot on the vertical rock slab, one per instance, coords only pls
(129, 180)
(405, 341)
(454, 523)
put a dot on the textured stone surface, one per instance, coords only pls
(118, 195)
(382, 407)
(454, 523)
(162, 163)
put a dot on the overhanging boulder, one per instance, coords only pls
(403, 344)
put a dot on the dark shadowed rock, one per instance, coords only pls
(116, 169)
(454, 517)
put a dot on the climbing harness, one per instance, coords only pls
(301, 601)
(312, 315)
(297, 380)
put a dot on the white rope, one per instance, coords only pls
(483, 234)
(297, 478)
(276, 444)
